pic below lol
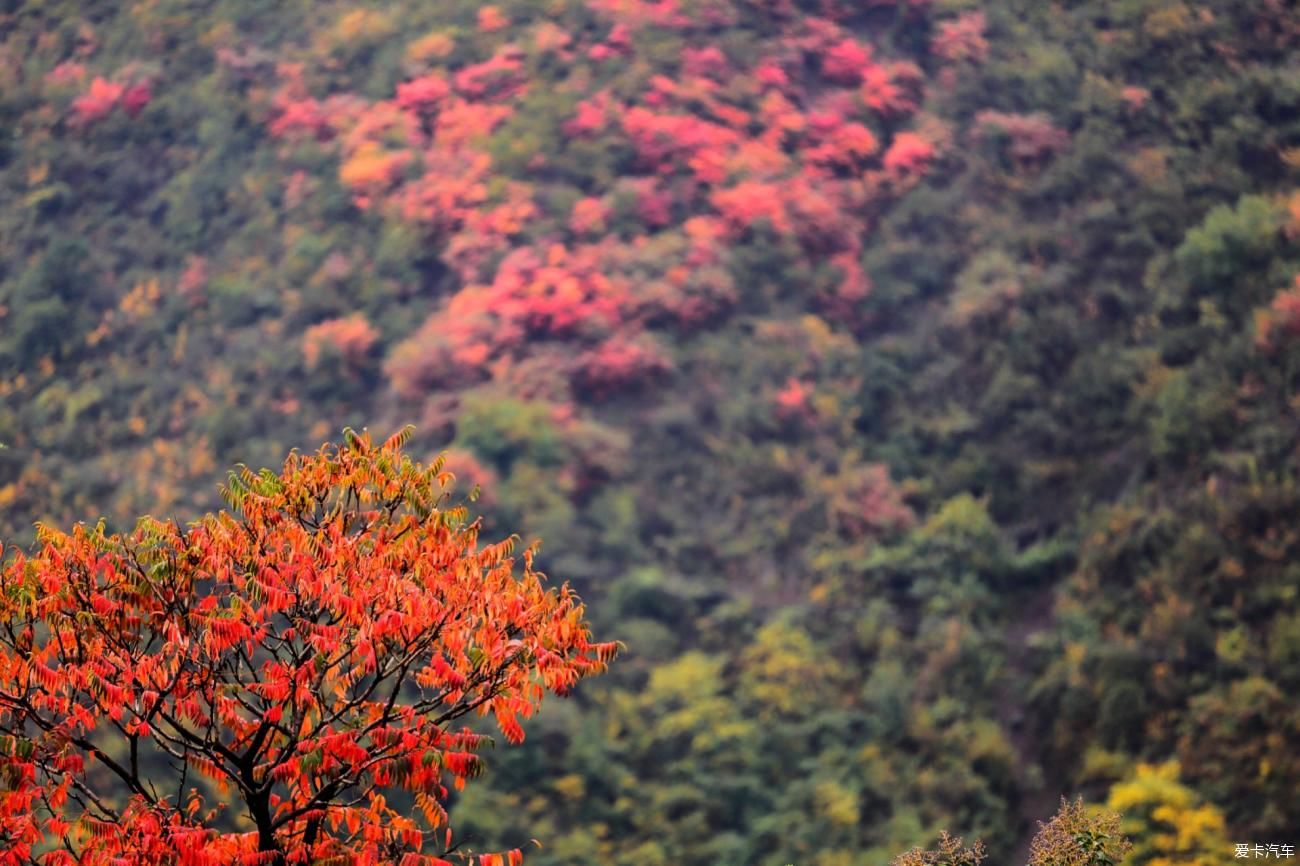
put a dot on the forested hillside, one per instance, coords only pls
(913, 386)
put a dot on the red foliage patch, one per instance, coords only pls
(908, 155)
(1281, 319)
(790, 138)
(846, 61)
(961, 39)
(351, 338)
(137, 98)
(423, 95)
(867, 502)
(618, 365)
(1030, 137)
(98, 102)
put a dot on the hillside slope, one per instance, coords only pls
(911, 384)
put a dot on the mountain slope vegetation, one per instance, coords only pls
(910, 384)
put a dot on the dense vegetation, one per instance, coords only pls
(910, 384)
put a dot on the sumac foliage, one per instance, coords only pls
(305, 656)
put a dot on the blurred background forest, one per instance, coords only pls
(913, 385)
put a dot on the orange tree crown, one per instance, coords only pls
(306, 654)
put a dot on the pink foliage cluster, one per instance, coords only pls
(103, 97)
(67, 73)
(892, 89)
(868, 503)
(1030, 137)
(590, 216)
(424, 95)
(1281, 319)
(599, 298)
(559, 295)
(793, 401)
(500, 77)
(296, 114)
(908, 154)
(351, 338)
(193, 280)
(961, 39)
(470, 474)
(635, 14)
(806, 138)
(619, 364)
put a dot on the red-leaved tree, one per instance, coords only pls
(304, 657)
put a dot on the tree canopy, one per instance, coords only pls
(307, 654)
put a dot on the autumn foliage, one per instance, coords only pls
(305, 656)
(915, 382)
(1077, 835)
(807, 139)
(102, 97)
